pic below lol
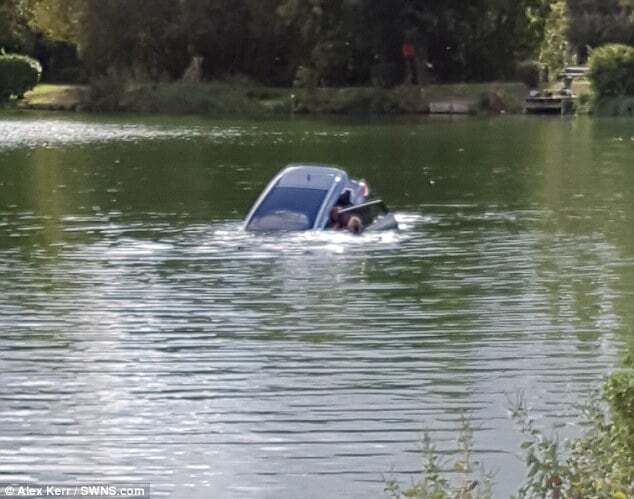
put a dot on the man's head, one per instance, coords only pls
(355, 225)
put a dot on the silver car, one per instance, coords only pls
(311, 197)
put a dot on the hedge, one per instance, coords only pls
(612, 70)
(18, 74)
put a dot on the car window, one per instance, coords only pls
(288, 208)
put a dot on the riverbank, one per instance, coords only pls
(226, 99)
(222, 98)
(46, 97)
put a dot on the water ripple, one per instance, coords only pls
(146, 337)
(238, 353)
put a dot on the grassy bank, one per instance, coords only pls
(214, 98)
(55, 97)
(470, 98)
(247, 99)
(222, 98)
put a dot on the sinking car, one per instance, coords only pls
(312, 197)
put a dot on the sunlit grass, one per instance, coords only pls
(55, 96)
(227, 98)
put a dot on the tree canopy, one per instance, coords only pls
(15, 35)
(341, 41)
(596, 22)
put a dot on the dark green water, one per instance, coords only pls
(144, 337)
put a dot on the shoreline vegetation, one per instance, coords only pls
(597, 464)
(340, 57)
(226, 98)
(229, 98)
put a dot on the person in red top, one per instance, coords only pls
(409, 56)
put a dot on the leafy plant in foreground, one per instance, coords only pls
(600, 464)
(434, 482)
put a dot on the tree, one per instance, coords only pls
(597, 22)
(554, 48)
(15, 35)
(478, 40)
(57, 19)
(340, 41)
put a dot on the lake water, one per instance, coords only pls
(146, 338)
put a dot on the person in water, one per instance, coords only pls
(355, 225)
(348, 221)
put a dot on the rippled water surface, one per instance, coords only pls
(145, 337)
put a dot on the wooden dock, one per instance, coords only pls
(555, 104)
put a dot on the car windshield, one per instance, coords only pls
(288, 208)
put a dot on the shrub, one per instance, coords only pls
(528, 73)
(619, 393)
(600, 464)
(434, 482)
(18, 74)
(597, 465)
(612, 70)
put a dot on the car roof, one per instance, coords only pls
(310, 177)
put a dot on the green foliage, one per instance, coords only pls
(600, 464)
(612, 106)
(18, 74)
(612, 70)
(597, 22)
(619, 393)
(434, 483)
(544, 468)
(554, 47)
(342, 41)
(55, 18)
(15, 35)
(213, 98)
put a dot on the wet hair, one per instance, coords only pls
(355, 225)
(344, 199)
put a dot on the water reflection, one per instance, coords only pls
(146, 337)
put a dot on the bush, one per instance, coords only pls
(528, 73)
(619, 393)
(18, 74)
(597, 465)
(435, 484)
(600, 464)
(612, 70)
(613, 106)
